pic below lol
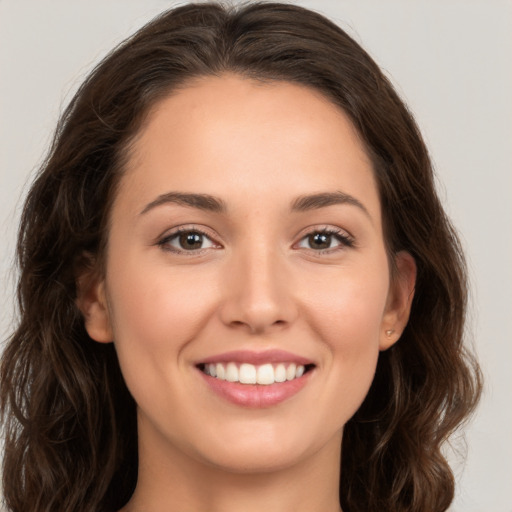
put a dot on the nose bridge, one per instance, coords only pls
(259, 295)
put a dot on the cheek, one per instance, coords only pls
(346, 316)
(155, 313)
(157, 306)
(347, 307)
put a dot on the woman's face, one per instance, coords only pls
(246, 245)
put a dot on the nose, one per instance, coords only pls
(258, 293)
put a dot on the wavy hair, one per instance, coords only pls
(69, 421)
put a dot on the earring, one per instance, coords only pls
(390, 332)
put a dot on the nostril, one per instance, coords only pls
(238, 323)
(257, 327)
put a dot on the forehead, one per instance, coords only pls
(227, 134)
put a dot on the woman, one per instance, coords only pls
(238, 287)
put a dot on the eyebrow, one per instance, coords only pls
(201, 201)
(324, 199)
(214, 204)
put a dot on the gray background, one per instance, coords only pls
(451, 61)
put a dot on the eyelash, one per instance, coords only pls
(164, 243)
(345, 240)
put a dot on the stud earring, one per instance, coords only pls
(390, 332)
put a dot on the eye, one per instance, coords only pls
(325, 240)
(187, 240)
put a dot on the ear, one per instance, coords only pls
(92, 302)
(398, 306)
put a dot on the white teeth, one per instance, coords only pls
(290, 371)
(220, 371)
(246, 373)
(265, 374)
(232, 372)
(280, 373)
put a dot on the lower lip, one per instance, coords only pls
(254, 395)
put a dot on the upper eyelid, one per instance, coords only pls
(170, 233)
(164, 242)
(346, 239)
(323, 228)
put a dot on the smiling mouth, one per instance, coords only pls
(264, 374)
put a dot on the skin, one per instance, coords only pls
(256, 283)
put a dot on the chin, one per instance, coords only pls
(265, 448)
(254, 459)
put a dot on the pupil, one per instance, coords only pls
(320, 241)
(191, 240)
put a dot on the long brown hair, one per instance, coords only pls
(69, 421)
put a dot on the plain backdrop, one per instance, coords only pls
(452, 62)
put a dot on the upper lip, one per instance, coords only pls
(256, 358)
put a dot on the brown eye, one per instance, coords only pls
(187, 241)
(326, 240)
(190, 240)
(320, 240)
